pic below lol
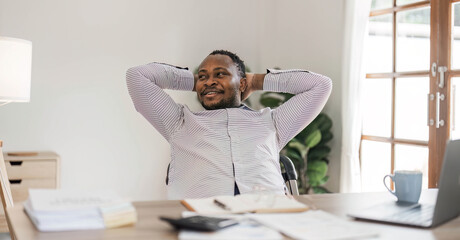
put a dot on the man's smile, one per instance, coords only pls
(211, 92)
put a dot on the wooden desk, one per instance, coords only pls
(149, 227)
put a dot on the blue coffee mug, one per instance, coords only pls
(408, 185)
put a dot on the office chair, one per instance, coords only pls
(289, 175)
(5, 191)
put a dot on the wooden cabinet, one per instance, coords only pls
(25, 172)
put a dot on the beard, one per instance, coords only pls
(222, 104)
(229, 102)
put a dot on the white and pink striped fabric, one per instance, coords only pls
(207, 145)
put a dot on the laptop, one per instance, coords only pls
(447, 204)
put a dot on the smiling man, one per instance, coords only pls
(228, 148)
(220, 80)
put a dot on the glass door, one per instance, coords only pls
(406, 93)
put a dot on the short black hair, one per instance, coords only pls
(237, 60)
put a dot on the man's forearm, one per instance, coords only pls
(163, 75)
(145, 86)
(254, 82)
(258, 81)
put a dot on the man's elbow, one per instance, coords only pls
(323, 84)
(131, 73)
(327, 83)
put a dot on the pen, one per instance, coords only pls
(220, 204)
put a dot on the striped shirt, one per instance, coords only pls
(212, 150)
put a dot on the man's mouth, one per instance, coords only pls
(210, 93)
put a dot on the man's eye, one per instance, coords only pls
(220, 74)
(201, 77)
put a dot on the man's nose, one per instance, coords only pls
(210, 81)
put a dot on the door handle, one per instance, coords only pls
(441, 70)
(439, 97)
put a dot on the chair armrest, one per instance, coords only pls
(290, 173)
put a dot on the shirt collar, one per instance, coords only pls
(245, 107)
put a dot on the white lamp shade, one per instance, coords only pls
(15, 69)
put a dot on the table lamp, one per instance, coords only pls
(15, 70)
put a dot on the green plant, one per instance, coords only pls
(308, 150)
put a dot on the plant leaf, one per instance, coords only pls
(324, 180)
(306, 131)
(293, 154)
(302, 149)
(287, 96)
(320, 190)
(325, 137)
(318, 153)
(324, 122)
(316, 171)
(313, 139)
(270, 102)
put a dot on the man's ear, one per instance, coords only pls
(243, 84)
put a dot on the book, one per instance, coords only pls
(254, 203)
(65, 210)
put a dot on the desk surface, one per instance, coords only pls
(149, 227)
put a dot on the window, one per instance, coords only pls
(405, 103)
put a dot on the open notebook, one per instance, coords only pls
(257, 203)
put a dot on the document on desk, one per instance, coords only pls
(259, 203)
(246, 229)
(242, 231)
(314, 224)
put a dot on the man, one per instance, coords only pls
(228, 148)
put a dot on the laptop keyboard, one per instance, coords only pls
(421, 215)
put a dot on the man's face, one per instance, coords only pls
(218, 85)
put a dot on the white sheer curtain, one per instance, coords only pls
(356, 18)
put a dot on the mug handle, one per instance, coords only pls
(384, 183)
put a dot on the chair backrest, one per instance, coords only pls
(5, 191)
(289, 175)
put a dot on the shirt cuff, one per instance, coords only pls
(179, 78)
(186, 81)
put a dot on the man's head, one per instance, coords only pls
(221, 79)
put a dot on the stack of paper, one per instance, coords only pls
(62, 210)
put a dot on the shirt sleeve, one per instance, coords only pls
(311, 93)
(145, 86)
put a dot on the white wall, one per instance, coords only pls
(80, 107)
